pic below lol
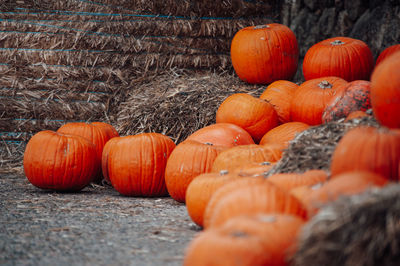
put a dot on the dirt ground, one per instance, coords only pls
(96, 226)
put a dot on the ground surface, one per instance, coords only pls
(94, 227)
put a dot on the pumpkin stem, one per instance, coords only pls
(223, 172)
(337, 42)
(239, 234)
(208, 143)
(265, 163)
(267, 218)
(261, 27)
(325, 85)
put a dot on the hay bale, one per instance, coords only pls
(357, 230)
(177, 103)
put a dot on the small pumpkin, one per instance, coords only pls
(356, 114)
(386, 53)
(254, 115)
(289, 181)
(265, 53)
(188, 160)
(355, 96)
(368, 149)
(246, 240)
(312, 97)
(385, 91)
(200, 191)
(136, 164)
(222, 134)
(284, 133)
(344, 57)
(279, 93)
(237, 157)
(60, 162)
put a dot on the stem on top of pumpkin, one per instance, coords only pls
(337, 42)
(325, 85)
(261, 27)
(267, 218)
(223, 172)
(208, 143)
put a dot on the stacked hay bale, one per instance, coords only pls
(77, 60)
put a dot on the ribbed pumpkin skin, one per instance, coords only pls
(312, 97)
(105, 155)
(279, 93)
(343, 57)
(187, 161)
(284, 133)
(263, 54)
(246, 240)
(136, 164)
(354, 97)
(385, 91)
(254, 115)
(109, 130)
(200, 191)
(60, 162)
(252, 199)
(236, 157)
(222, 134)
(289, 181)
(368, 149)
(386, 53)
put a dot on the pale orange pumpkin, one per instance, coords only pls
(284, 133)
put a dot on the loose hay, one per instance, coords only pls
(357, 230)
(178, 103)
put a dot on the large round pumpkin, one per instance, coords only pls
(265, 53)
(284, 133)
(279, 94)
(312, 97)
(368, 149)
(254, 115)
(343, 57)
(289, 181)
(386, 53)
(60, 162)
(222, 134)
(385, 91)
(136, 164)
(189, 159)
(246, 240)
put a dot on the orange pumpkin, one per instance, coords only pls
(222, 134)
(279, 94)
(105, 156)
(289, 181)
(246, 240)
(284, 133)
(200, 191)
(136, 164)
(188, 160)
(237, 157)
(368, 149)
(265, 53)
(60, 162)
(254, 169)
(312, 97)
(386, 53)
(385, 91)
(251, 199)
(343, 57)
(355, 96)
(254, 115)
(356, 114)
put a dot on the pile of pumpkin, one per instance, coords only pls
(220, 170)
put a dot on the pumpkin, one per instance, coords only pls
(312, 97)
(251, 199)
(240, 156)
(284, 133)
(289, 181)
(60, 162)
(222, 134)
(386, 53)
(354, 97)
(343, 57)
(104, 158)
(200, 191)
(279, 93)
(254, 115)
(368, 149)
(97, 132)
(344, 184)
(356, 114)
(189, 159)
(254, 169)
(136, 164)
(385, 91)
(246, 240)
(265, 53)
